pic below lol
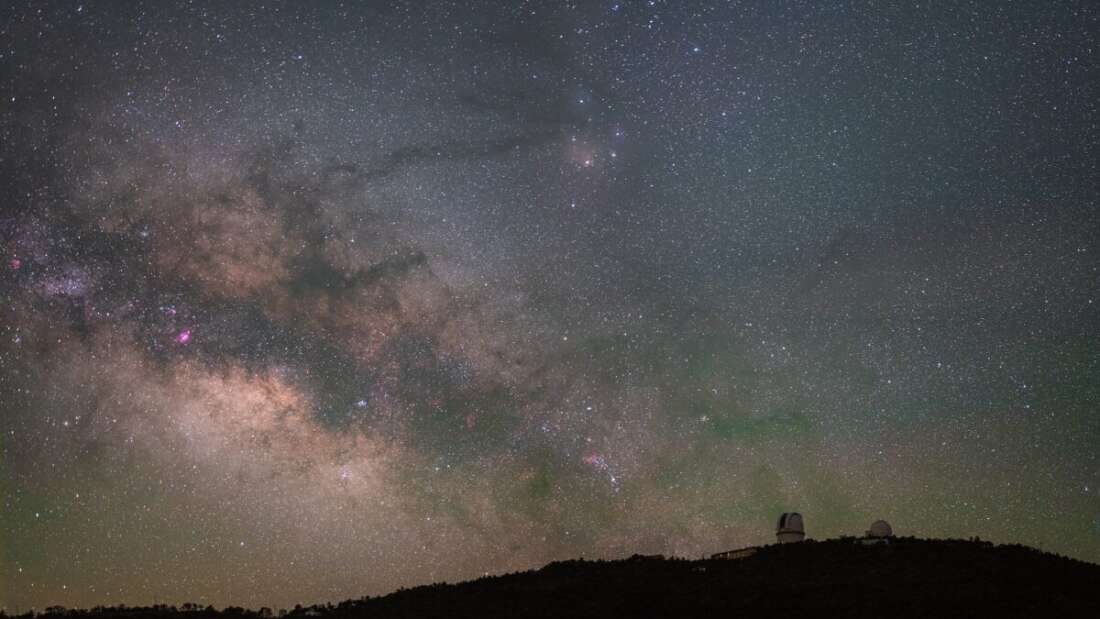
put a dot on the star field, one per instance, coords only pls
(303, 302)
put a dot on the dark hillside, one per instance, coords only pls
(906, 578)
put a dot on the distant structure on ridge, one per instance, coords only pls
(790, 528)
(879, 533)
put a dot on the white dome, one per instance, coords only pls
(790, 528)
(880, 528)
(790, 521)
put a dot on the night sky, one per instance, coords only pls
(308, 301)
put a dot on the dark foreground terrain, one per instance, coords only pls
(906, 578)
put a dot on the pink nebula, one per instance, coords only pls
(184, 336)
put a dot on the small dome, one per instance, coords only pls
(790, 528)
(790, 521)
(880, 528)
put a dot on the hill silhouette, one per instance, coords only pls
(905, 578)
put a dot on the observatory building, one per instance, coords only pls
(880, 533)
(790, 528)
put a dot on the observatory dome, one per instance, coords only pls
(790, 528)
(880, 529)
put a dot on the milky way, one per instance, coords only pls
(307, 302)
